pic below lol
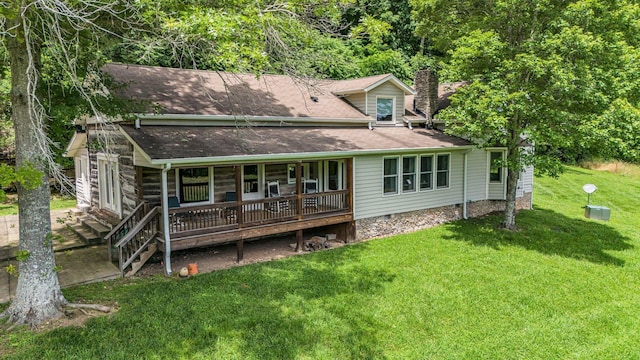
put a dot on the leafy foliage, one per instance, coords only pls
(541, 72)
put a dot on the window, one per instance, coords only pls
(384, 109)
(108, 182)
(426, 172)
(442, 173)
(291, 172)
(250, 179)
(408, 174)
(334, 175)
(390, 178)
(194, 185)
(495, 167)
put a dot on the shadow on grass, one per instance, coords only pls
(278, 310)
(577, 171)
(549, 233)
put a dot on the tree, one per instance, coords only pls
(26, 27)
(539, 73)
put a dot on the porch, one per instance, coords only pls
(240, 220)
(239, 203)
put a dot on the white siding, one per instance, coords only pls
(387, 90)
(496, 191)
(358, 101)
(369, 200)
(525, 182)
(477, 175)
(83, 182)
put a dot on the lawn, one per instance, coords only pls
(10, 207)
(563, 287)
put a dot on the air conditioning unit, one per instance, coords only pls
(597, 212)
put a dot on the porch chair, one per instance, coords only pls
(174, 219)
(273, 190)
(230, 213)
(311, 187)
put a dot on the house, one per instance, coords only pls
(215, 157)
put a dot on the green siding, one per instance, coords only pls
(369, 200)
(477, 175)
(358, 101)
(387, 90)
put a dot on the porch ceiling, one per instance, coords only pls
(192, 142)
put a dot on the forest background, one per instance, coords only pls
(334, 39)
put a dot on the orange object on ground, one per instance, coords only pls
(193, 269)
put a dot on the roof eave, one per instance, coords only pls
(191, 119)
(76, 143)
(299, 156)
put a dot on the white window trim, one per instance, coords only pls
(415, 174)
(503, 171)
(260, 193)
(113, 161)
(435, 184)
(433, 172)
(211, 194)
(304, 175)
(325, 172)
(397, 175)
(393, 110)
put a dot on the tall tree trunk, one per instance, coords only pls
(38, 296)
(509, 221)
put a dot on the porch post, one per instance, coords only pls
(299, 189)
(350, 184)
(165, 221)
(239, 213)
(239, 187)
(299, 240)
(240, 250)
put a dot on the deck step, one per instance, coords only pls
(97, 228)
(88, 236)
(144, 257)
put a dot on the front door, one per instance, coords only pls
(252, 182)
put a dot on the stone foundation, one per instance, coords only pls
(422, 219)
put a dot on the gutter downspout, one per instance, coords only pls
(165, 221)
(464, 187)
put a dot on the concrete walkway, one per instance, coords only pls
(79, 263)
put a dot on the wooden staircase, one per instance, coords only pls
(132, 242)
(142, 259)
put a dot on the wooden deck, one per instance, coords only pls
(210, 224)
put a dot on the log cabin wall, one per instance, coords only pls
(100, 138)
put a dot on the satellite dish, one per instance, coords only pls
(589, 188)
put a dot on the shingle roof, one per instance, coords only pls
(188, 142)
(180, 91)
(365, 84)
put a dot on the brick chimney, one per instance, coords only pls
(426, 98)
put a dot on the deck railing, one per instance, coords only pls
(138, 239)
(126, 225)
(198, 220)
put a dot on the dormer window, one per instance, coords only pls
(385, 107)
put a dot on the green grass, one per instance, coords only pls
(563, 287)
(10, 207)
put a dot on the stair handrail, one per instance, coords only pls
(142, 207)
(139, 226)
(125, 220)
(123, 263)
